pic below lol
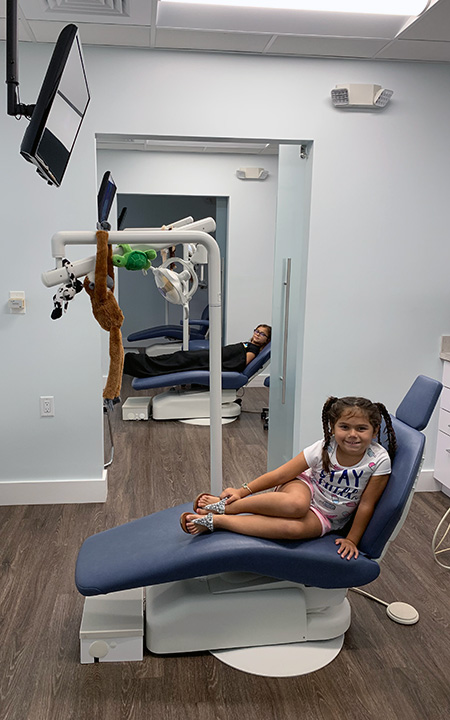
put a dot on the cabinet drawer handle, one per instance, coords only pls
(448, 450)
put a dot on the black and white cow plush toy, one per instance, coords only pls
(65, 292)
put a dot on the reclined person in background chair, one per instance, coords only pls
(235, 357)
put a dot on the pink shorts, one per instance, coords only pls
(324, 521)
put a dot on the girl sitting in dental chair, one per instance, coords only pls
(318, 490)
(234, 357)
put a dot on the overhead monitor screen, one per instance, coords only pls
(60, 108)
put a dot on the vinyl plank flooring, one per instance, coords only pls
(384, 670)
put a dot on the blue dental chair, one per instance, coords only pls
(180, 403)
(197, 330)
(226, 590)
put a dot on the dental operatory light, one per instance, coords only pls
(176, 287)
(407, 8)
(360, 96)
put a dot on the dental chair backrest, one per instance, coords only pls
(411, 417)
(258, 363)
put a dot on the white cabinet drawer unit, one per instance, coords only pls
(442, 460)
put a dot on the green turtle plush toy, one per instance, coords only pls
(134, 259)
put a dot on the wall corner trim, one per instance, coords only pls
(427, 482)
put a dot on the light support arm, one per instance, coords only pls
(14, 107)
(158, 239)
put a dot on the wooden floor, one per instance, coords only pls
(384, 671)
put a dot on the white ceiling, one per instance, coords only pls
(154, 24)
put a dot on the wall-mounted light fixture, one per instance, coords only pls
(363, 96)
(382, 7)
(252, 173)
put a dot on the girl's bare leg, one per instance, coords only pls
(292, 500)
(272, 528)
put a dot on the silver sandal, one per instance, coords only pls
(218, 507)
(206, 521)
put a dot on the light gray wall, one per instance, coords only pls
(60, 457)
(378, 296)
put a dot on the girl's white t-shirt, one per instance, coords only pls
(338, 492)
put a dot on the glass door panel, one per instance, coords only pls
(289, 295)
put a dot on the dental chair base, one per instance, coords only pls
(235, 610)
(179, 404)
(112, 627)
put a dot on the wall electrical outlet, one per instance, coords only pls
(47, 406)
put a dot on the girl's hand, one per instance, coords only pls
(347, 548)
(232, 494)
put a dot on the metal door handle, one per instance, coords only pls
(287, 284)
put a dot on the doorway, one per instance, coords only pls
(256, 278)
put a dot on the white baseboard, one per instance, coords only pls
(59, 492)
(53, 492)
(427, 483)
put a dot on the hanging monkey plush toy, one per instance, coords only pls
(108, 314)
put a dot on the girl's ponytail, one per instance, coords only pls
(326, 432)
(390, 433)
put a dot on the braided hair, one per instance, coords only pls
(376, 412)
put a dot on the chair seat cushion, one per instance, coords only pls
(155, 550)
(230, 380)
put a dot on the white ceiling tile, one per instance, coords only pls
(46, 31)
(432, 25)
(95, 34)
(416, 50)
(22, 32)
(207, 40)
(326, 46)
(127, 23)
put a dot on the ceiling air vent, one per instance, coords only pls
(88, 7)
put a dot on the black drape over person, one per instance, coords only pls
(235, 357)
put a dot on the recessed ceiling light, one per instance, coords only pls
(376, 7)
